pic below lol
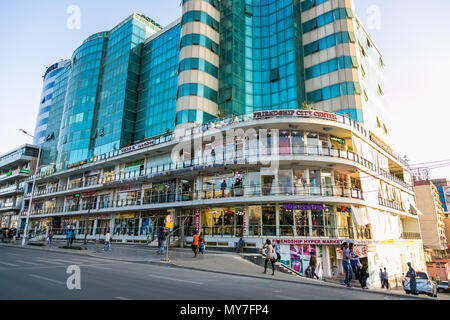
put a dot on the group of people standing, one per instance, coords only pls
(353, 266)
(384, 278)
(198, 244)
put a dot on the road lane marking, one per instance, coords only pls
(99, 267)
(13, 254)
(48, 261)
(285, 298)
(9, 264)
(30, 263)
(174, 279)
(47, 279)
(122, 298)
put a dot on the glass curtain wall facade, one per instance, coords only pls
(102, 92)
(261, 66)
(48, 93)
(158, 85)
(50, 144)
(83, 89)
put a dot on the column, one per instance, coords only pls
(277, 219)
(140, 225)
(246, 222)
(94, 231)
(310, 223)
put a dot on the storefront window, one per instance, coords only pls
(285, 182)
(254, 220)
(267, 179)
(300, 183)
(269, 220)
(128, 198)
(102, 227)
(253, 187)
(326, 183)
(301, 223)
(83, 225)
(212, 221)
(313, 142)
(317, 223)
(286, 222)
(285, 143)
(314, 181)
(344, 222)
(298, 142)
(104, 201)
(324, 144)
(128, 227)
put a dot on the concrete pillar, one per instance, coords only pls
(246, 222)
(94, 231)
(277, 219)
(140, 226)
(310, 223)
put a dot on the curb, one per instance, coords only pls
(175, 265)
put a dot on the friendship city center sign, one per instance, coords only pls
(294, 113)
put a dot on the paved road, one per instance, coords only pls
(33, 274)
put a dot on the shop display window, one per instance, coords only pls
(269, 220)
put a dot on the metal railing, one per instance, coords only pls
(207, 161)
(160, 197)
(411, 235)
(284, 231)
(390, 204)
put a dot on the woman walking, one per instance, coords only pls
(269, 256)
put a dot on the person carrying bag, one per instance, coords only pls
(270, 255)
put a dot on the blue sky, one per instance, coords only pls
(413, 38)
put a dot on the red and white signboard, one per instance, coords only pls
(244, 223)
(197, 212)
(295, 113)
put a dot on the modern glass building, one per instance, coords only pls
(254, 119)
(52, 79)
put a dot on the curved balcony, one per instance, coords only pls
(318, 193)
(167, 139)
(286, 154)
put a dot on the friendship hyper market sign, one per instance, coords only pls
(324, 241)
(295, 113)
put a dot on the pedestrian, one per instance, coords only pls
(354, 259)
(381, 274)
(269, 256)
(50, 236)
(161, 240)
(313, 265)
(195, 241)
(69, 236)
(201, 243)
(362, 275)
(276, 248)
(107, 244)
(72, 238)
(346, 264)
(240, 245)
(412, 279)
(386, 278)
(223, 187)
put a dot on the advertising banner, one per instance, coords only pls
(447, 197)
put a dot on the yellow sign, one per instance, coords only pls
(169, 225)
(126, 216)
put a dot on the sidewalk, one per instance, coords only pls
(212, 261)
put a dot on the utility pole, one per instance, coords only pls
(25, 231)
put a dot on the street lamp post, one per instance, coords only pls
(25, 231)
